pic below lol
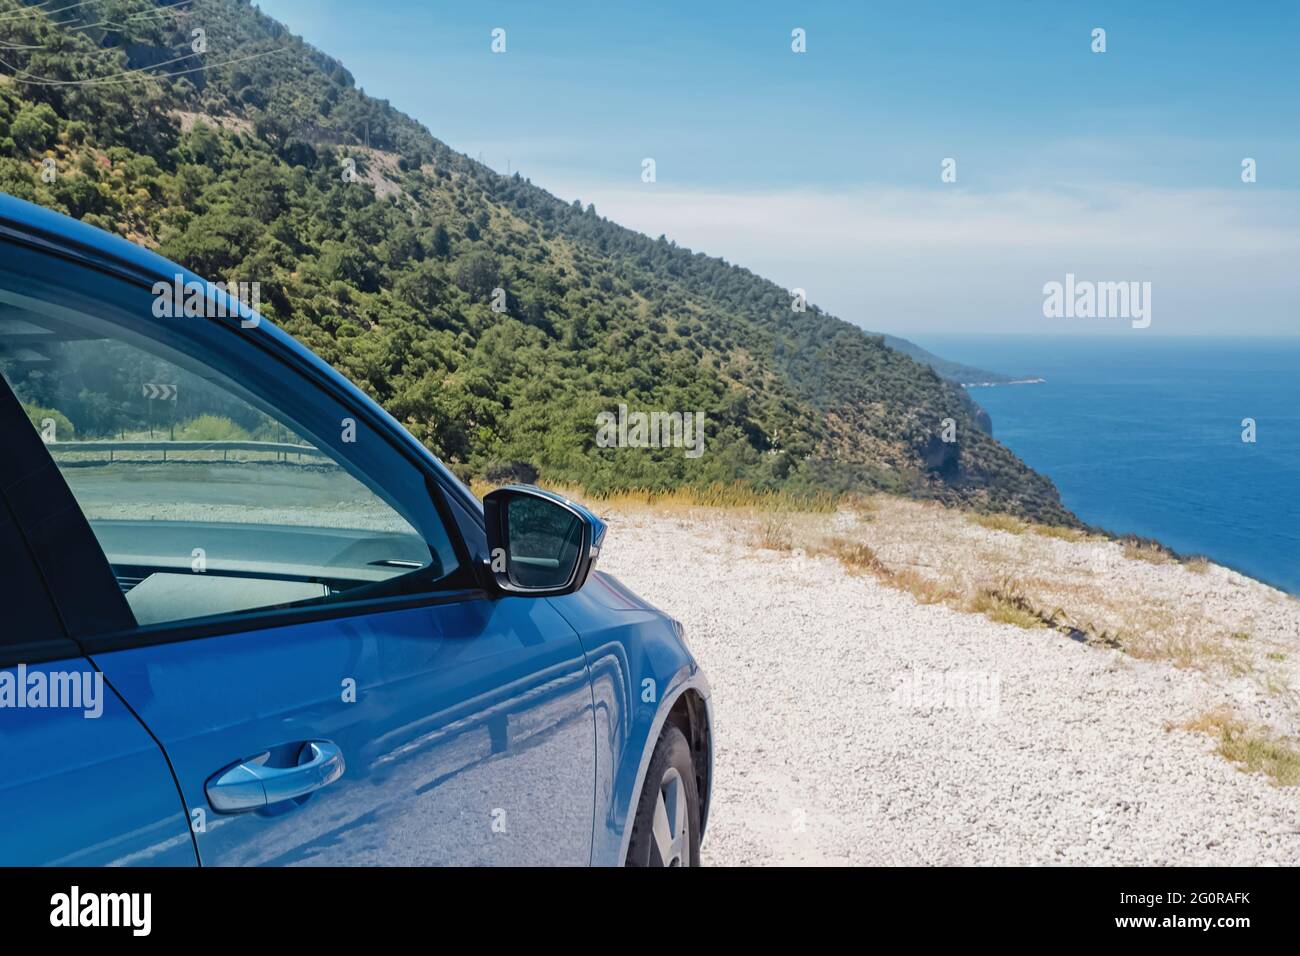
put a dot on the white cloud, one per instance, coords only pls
(949, 259)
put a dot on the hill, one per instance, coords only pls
(957, 372)
(237, 162)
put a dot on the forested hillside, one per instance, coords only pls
(235, 165)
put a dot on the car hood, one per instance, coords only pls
(610, 592)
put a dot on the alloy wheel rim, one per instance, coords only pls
(672, 825)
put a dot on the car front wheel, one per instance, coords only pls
(666, 830)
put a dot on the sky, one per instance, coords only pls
(821, 170)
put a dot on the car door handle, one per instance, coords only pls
(252, 783)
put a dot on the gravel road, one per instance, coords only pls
(855, 725)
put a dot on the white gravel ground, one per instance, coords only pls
(836, 745)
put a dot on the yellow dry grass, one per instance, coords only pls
(732, 496)
(1253, 748)
(1142, 551)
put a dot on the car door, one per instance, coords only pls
(293, 611)
(464, 729)
(83, 783)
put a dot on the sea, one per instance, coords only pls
(1144, 435)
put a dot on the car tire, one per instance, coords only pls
(666, 828)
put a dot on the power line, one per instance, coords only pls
(112, 23)
(154, 13)
(15, 46)
(139, 74)
(38, 81)
(27, 12)
(88, 26)
(32, 11)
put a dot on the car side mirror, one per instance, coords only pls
(539, 544)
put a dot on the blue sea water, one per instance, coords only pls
(1143, 434)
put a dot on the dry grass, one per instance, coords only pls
(1060, 532)
(937, 558)
(1001, 522)
(1254, 749)
(772, 515)
(856, 556)
(775, 532)
(1184, 648)
(1007, 603)
(1001, 599)
(733, 496)
(924, 588)
(1138, 549)
(1006, 608)
(995, 521)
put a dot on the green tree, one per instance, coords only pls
(35, 127)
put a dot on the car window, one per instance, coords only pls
(205, 496)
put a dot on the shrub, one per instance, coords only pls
(210, 428)
(63, 430)
(35, 127)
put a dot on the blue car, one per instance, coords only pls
(248, 619)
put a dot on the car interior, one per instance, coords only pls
(204, 501)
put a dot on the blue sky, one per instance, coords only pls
(821, 170)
